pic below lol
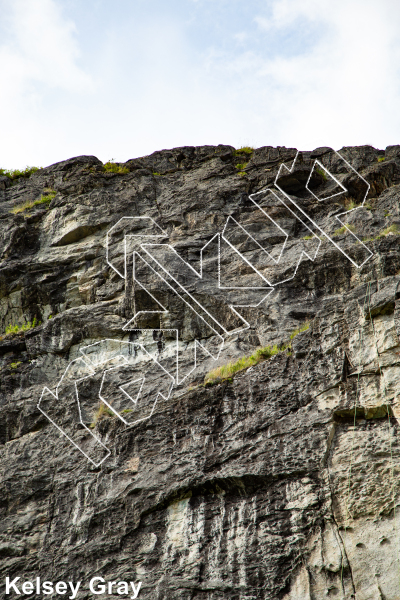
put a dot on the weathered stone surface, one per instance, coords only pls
(280, 483)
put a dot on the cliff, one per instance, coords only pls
(121, 288)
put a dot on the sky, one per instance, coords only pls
(123, 79)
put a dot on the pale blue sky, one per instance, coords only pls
(123, 79)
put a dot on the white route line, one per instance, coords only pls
(141, 387)
(88, 365)
(145, 245)
(277, 260)
(56, 397)
(283, 166)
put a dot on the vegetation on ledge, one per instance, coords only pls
(226, 372)
(101, 412)
(45, 198)
(347, 228)
(15, 329)
(16, 173)
(244, 150)
(393, 229)
(112, 167)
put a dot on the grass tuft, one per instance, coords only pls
(381, 158)
(244, 150)
(16, 173)
(45, 198)
(394, 228)
(322, 173)
(101, 412)
(14, 329)
(15, 365)
(300, 329)
(225, 372)
(350, 204)
(112, 167)
(345, 229)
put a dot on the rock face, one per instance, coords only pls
(280, 482)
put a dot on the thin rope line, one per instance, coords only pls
(360, 337)
(390, 437)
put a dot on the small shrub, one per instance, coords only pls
(241, 166)
(381, 158)
(16, 173)
(243, 150)
(112, 167)
(157, 174)
(300, 329)
(345, 229)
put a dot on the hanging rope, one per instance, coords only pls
(360, 337)
(389, 432)
(368, 299)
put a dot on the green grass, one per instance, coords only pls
(16, 173)
(344, 229)
(308, 237)
(157, 174)
(322, 173)
(112, 167)
(381, 158)
(300, 329)
(392, 229)
(244, 150)
(14, 329)
(101, 412)
(241, 166)
(45, 198)
(350, 204)
(225, 372)
(15, 365)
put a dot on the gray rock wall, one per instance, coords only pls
(281, 482)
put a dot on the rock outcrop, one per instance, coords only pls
(278, 482)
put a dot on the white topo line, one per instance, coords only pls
(144, 243)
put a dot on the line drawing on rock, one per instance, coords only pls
(296, 204)
(135, 245)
